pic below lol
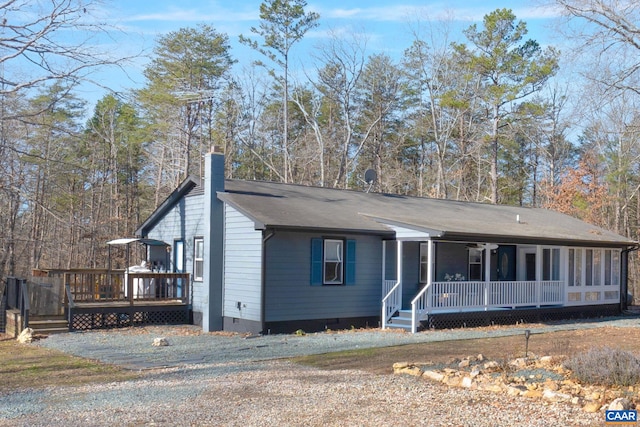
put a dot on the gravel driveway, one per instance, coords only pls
(220, 380)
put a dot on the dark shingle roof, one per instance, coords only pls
(276, 205)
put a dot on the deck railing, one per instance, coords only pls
(474, 296)
(102, 285)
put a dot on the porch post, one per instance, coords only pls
(431, 262)
(384, 286)
(487, 276)
(399, 265)
(425, 295)
(399, 271)
(538, 275)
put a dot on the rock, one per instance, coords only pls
(514, 391)
(413, 370)
(26, 336)
(519, 363)
(554, 396)
(474, 373)
(464, 364)
(400, 365)
(491, 365)
(160, 342)
(551, 385)
(491, 387)
(466, 382)
(433, 375)
(452, 381)
(591, 407)
(533, 394)
(620, 404)
(480, 357)
(547, 360)
(594, 396)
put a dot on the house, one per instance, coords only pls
(270, 257)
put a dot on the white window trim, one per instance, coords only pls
(339, 262)
(197, 260)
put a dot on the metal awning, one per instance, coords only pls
(127, 240)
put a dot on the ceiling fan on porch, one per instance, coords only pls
(482, 246)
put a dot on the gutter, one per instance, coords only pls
(263, 303)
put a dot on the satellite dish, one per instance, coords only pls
(370, 176)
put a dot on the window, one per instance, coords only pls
(615, 268)
(424, 262)
(578, 267)
(572, 274)
(611, 267)
(551, 264)
(475, 264)
(178, 256)
(597, 267)
(588, 267)
(198, 258)
(333, 262)
(332, 266)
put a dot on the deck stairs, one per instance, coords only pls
(47, 325)
(401, 321)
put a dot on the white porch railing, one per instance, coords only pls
(447, 297)
(392, 300)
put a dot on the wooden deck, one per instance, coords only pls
(101, 298)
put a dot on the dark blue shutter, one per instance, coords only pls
(350, 263)
(316, 262)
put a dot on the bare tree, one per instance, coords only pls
(46, 41)
(609, 32)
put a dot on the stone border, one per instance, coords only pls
(533, 377)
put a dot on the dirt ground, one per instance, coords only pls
(565, 343)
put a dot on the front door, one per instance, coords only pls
(506, 263)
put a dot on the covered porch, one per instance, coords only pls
(425, 274)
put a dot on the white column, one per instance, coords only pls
(399, 265)
(431, 262)
(538, 274)
(384, 287)
(487, 275)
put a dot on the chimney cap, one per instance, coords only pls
(217, 149)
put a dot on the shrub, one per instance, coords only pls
(605, 366)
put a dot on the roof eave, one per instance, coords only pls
(176, 195)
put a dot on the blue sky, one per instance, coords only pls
(388, 25)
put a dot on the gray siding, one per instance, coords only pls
(184, 222)
(242, 267)
(290, 296)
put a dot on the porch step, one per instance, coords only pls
(401, 321)
(49, 325)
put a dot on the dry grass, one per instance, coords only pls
(564, 343)
(27, 366)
